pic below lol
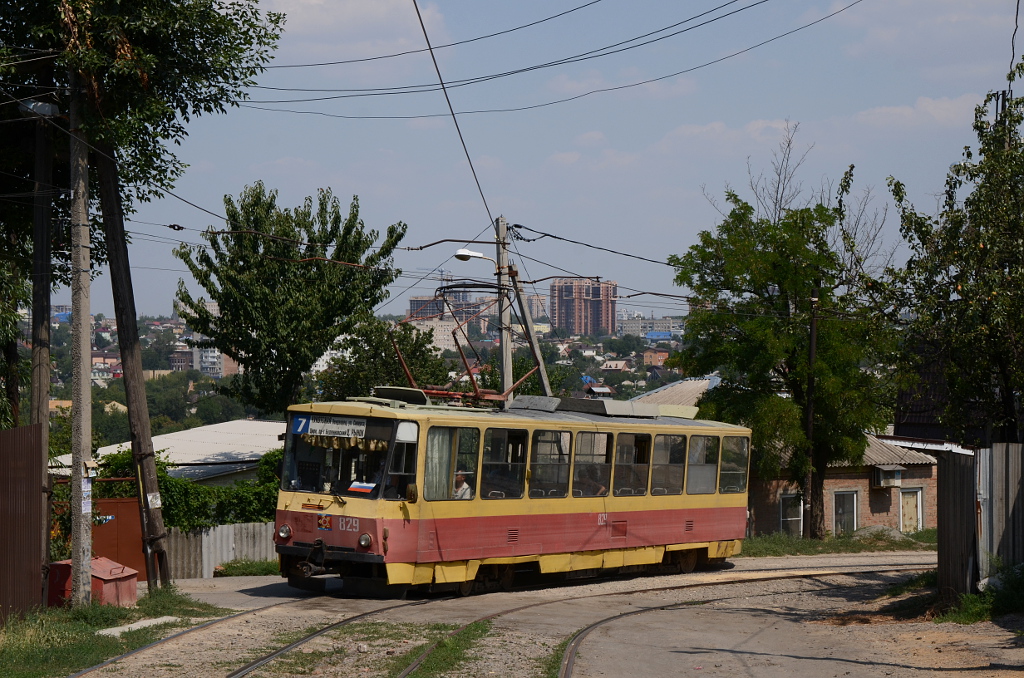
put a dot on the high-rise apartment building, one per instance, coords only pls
(582, 306)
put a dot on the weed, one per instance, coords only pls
(244, 567)
(552, 663)
(923, 580)
(60, 641)
(453, 651)
(1005, 596)
(782, 544)
(927, 536)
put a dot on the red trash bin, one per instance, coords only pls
(112, 583)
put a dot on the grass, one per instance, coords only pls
(782, 544)
(927, 536)
(921, 580)
(60, 641)
(247, 568)
(453, 651)
(552, 663)
(1004, 597)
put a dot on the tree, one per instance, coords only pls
(369, 360)
(961, 291)
(288, 283)
(753, 279)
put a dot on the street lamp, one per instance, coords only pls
(465, 255)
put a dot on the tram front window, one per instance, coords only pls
(346, 456)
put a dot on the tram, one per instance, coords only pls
(399, 491)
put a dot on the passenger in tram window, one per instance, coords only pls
(589, 485)
(462, 490)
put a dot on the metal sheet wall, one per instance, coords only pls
(957, 520)
(195, 555)
(22, 520)
(1006, 503)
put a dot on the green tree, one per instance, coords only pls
(961, 291)
(752, 281)
(157, 353)
(369, 360)
(288, 283)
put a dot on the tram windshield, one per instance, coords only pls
(349, 456)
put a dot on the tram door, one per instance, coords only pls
(451, 474)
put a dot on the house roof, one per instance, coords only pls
(880, 453)
(214, 450)
(686, 392)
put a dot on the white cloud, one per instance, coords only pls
(591, 139)
(564, 158)
(944, 112)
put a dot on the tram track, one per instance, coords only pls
(580, 636)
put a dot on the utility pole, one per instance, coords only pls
(530, 336)
(81, 357)
(811, 355)
(41, 255)
(504, 308)
(154, 535)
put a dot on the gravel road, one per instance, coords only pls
(824, 626)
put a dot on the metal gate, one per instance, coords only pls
(22, 520)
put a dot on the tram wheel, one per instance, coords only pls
(687, 561)
(465, 588)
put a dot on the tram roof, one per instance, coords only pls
(537, 408)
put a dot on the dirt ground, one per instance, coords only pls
(824, 626)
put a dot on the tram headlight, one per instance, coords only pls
(284, 531)
(365, 540)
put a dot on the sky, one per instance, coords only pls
(889, 86)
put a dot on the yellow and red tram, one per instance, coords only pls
(395, 490)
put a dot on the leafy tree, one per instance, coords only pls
(962, 287)
(752, 280)
(288, 283)
(157, 353)
(370, 360)
(625, 346)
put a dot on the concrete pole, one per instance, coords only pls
(504, 307)
(81, 357)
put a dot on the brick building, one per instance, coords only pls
(893, 487)
(582, 307)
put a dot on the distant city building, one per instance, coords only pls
(459, 305)
(582, 306)
(536, 306)
(443, 339)
(640, 327)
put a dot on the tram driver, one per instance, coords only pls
(462, 489)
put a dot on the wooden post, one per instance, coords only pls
(154, 536)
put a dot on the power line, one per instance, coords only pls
(1013, 38)
(555, 102)
(451, 44)
(607, 50)
(543, 235)
(451, 109)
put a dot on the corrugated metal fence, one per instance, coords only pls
(21, 520)
(194, 555)
(956, 504)
(1001, 498)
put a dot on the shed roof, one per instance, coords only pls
(879, 453)
(214, 450)
(686, 392)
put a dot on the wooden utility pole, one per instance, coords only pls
(41, 255)
(81, 357)
(542, 369)
(153, 533)
(809, 506)
(504, 308)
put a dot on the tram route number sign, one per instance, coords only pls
(325, 425)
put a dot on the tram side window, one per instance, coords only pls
(735, 455)
(451, 463)
(549, 464)
(504, 469)
(668, 467)
(632, 461)
(702, 474)
(592, 469)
